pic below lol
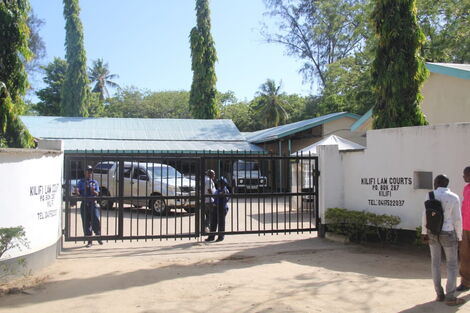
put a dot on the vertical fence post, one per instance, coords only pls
(121, 200)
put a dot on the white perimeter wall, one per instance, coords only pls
(381, 178)
(30, 196)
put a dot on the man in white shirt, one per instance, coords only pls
(209, 188)
(448, 240)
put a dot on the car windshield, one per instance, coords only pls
(102, 168)
(164, 172)
(246, 166)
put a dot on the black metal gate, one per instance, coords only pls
(163, 196)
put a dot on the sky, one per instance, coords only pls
(146, 42)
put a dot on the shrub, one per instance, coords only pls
(12, 237)
(362, 226)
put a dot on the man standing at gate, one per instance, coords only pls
(447, 240)
(464, 246)
(221, 198)
(89, 188)
(209, 189)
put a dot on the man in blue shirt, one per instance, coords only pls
(89, 188)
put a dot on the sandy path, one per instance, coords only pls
(294, 273)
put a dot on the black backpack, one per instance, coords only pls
(434, 214)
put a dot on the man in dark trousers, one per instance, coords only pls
(221, 198)
(447, 240)
(209, 189)
(89, 188)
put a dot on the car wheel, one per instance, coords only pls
(190, 210)
(105, 203)
(158, 206)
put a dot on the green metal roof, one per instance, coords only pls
(139, 134)
(362, 120)
(456, 70)
(278, 132)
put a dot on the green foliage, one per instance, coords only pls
(361, 225)
(203, 93)
(347, 87)
(242, 115)
(12, 237)
(14, 51)
(96, 107)
(418, 239)
(35, 43)
(270, 105)
(446, 25)
(319, 32)
(248, 117)
(131, 102)
(13, 133)
(75, 90)
(335, 41)
(50, 96)
(296, 108)
(398, 69)
(99, 74)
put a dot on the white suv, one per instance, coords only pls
(143, 179)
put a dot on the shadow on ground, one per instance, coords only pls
(371, 262)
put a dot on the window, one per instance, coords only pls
(127, 172)
(103, 168)
(139, 172)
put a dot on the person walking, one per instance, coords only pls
(447, 240)
(89, 188)
(464, 245)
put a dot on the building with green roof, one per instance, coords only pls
(140, 135)
(446, 95)
(289, 138)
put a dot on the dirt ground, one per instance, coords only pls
(280, 273)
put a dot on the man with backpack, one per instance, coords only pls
(442, 229)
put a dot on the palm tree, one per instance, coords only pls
(100, 76)
(270, 104)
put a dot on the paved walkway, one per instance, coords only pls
(280, 273)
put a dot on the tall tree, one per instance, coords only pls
(398, 69)
(319, 32)
(36, 43)
(270, 104)
(50, 96)
(75, 91)
(202, 99)
(99, 75)
(14, 51)
(446, 25)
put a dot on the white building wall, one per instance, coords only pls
(381, 178)
(30, 196)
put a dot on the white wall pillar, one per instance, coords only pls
(331, 179)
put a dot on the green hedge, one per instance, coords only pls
(362, 226)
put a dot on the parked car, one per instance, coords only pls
(142, 179)
(247, 176)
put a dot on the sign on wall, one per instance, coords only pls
(30, 190)
(385, 191)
